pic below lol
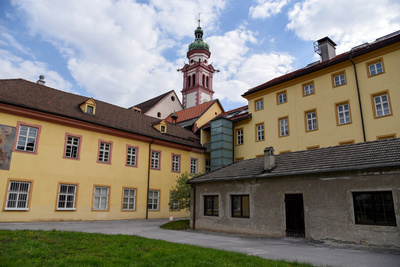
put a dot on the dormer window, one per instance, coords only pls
(88, 107)
(163, 128)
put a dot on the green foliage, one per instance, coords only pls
(55, 248)
(177, 225)
(181, 191)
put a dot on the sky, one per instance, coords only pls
(127, 51)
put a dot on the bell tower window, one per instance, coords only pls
(207, 82)
(188, 84)
(194, 79)
(202, 82)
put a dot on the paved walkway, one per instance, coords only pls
(291, 249)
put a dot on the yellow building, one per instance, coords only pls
(68, 157)
(349, 98)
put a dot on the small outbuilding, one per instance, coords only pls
(348, 193)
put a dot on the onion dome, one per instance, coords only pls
(198, 42)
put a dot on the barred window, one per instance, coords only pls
(66, 197)
(18, 195)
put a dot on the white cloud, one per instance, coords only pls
(347, 23)
(114, 49)
(267, 8)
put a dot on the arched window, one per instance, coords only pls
(194, 79)
(188, 81)
(207, 82)
(159, 114)
(202, 82)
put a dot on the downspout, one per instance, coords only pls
(148, 180)
(359, 97)
(194, 207)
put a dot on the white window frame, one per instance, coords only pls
(282, 98)
(27, 135)
(339, 79)
(72, 147)
(309, 89)
(382, 108)
(343, 112)
(259, 104)
(176, 161)
(311, 121)
(155, 160)
(18, 196)
(100, 197)
(193, 165)
(239, 137)
(284, 126)
(104, 152)
(154, 200)
(131, 156)
(65, 197)
(129, 199)
(260, 132)
(375, 69)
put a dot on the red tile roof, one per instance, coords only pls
(193, 112)
(26, 94)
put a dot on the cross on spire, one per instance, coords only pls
(199, 18)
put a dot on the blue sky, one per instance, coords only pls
(125, 52)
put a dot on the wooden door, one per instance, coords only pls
(294, 215)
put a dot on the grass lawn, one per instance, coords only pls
(177, 225)
(56, 248)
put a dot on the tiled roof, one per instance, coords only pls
(355, 52)
(147, 105)
(22, 93)
(361, 156)
(193, 112)
(234, 115)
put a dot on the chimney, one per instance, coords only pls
(41, 80)
(325, 47)
(269, 158)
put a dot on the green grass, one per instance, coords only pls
(55, 248)
(177, 225)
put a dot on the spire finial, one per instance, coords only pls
(199, 18)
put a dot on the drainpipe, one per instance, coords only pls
(194, 207)
(359, 97)
(148, 180)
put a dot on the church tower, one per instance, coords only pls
(198, 74)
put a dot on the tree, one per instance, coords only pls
(181, 191)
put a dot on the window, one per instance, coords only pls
(100, 201)
(129, 199)
(131, 156)
(308, 89)
(386, 136)
(173, 204)
(239, 137)
(72, 147)
(381, 105)
(158, 114)
(284, 126)
(194, 79)
(193, 165)
(282, 98)
(347, 142)
(18, 195)
(339, 79)
(163, 129)
(153, 202)
(155, 160)
(259, 104)
(211, 205)
(375, 67)
(241, 206)
(374, 208)
(104, 152)
(208, 165)
(312, 147)
(66, 197)
(311, 120)
(27, 138)
(176, 163)
(260, 132)
(343, 113)
(89, 110)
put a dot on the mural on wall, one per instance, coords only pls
(7, 137)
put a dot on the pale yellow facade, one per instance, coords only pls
(324, 104)
(47, 168)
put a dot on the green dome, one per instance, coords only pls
(198, 43)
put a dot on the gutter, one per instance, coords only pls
(194, 207)
(359, 97)
(148, 179)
